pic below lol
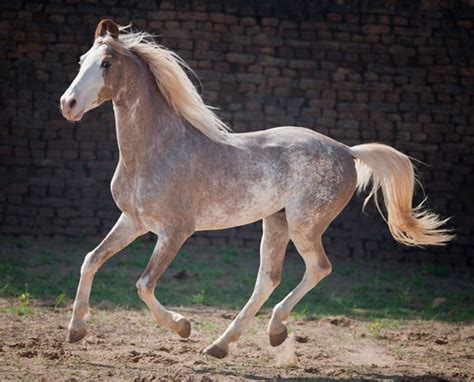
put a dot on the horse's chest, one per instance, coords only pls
(122, 190)
(128, 189)
(139, 196)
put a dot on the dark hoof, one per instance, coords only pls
(185, 328)
(74, 335)
(278, 339)
(215, 351)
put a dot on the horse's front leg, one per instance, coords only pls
(168, 244)
(123, 233)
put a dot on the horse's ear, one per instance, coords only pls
(107, 26)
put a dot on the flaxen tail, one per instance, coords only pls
(393, 172)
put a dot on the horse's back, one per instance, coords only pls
(301, 151)
(316, 173)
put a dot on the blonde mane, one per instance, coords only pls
(173, 82)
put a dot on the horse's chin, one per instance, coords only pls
(76, 117)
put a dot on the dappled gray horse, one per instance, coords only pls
(180, 170)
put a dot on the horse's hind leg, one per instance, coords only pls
(272, 252)
(308, 244)
(168, 244)
(122, 234)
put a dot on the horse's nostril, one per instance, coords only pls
(72, 103)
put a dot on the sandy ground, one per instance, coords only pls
(127, 345)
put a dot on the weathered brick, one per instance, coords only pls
(401, 76)
(375, 28)
(237, 58)
(222, 18)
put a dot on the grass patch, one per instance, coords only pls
(226, 278)
(18, 310)
(376, 327)
(22, 305)
(208, 327)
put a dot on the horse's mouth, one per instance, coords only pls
(74, 116)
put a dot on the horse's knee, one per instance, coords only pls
(144, 288)
(88, 265)
(93, 261)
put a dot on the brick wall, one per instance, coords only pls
(401, 73)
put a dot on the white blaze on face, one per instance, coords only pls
(83, 93)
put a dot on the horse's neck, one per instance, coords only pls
(144, 121)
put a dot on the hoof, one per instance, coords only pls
(185, 328)
(215, 351)
(278, 339)
(74, 335)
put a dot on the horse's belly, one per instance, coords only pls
(232, 210)
(222, 222)
(234, 219)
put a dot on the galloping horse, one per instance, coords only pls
(180, 170)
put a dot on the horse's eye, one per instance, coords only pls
(106, 64)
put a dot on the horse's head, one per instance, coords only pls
(122, 62)
(97, 80)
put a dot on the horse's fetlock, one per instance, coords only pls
(278, 313)
(81, 308)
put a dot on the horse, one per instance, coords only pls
(182, 170)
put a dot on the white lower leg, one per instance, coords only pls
(123, 233)
(77, 327)
(263, 289)
(282, 310)
(168, 244)
(163, 317)
(272, 251)
(81, 302)
(315, 272)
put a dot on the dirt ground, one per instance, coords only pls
(127, 345)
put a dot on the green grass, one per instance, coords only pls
(225, 277)
(208, 327)
(22, 306)
(376, 326)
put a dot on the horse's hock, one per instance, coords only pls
(388, 73)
